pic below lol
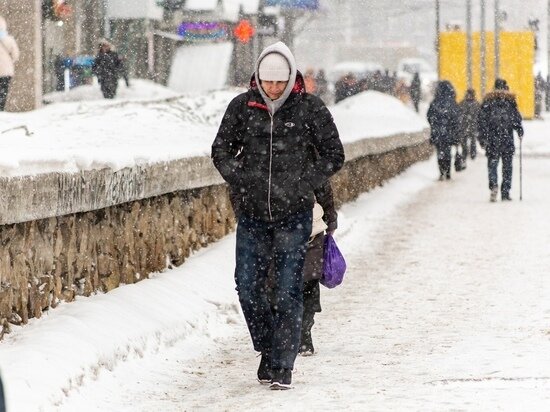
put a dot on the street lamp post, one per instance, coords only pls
(483, 50)
(437, 33)
(469, 41)
(497, 39)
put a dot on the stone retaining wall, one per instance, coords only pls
(66, 235)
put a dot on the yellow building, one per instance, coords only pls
(517, 57)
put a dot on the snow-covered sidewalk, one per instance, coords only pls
(446, 306)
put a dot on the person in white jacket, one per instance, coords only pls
(9, 54)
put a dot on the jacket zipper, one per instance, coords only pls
(270, 164)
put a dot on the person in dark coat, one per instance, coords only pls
(322, 85)
(498, 118)
(469, 112)
(415, 91)
(276, 144)
(313, 266)
(345, 87)
(107, 67)
(539, 95)
(443, 117)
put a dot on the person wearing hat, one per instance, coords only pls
(498, 118)
(9, 54)
(275, 145)
(107, 67)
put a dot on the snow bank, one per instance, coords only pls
(69, 137)
(138, 129)
(139, 90)
(375, 114)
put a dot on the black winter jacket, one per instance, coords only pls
(274, 163)
(107, 66)
(443, 116)
(498, 118)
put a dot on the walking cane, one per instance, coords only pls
(520, 170)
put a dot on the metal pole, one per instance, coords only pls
(437, 33)
(483, 50)
(547, 90)
(497, 39)
(469, 41)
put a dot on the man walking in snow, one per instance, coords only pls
(498, 118)
(275, 145)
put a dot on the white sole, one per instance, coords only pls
(276, 386)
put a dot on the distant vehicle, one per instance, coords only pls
(406, 68)
(360, 69)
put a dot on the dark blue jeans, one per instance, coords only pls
(274, 329)
(492, 163)
(444, 157)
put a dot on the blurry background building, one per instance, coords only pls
(178, 42)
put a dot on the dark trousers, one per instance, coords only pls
(109, 87)
(312, 304)
(492, 163)
(277, 331)
(4, 88)
(444, 160)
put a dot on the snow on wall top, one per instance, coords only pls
(96, 134)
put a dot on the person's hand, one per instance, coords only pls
(520, 133)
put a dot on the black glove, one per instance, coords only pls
(520, 132)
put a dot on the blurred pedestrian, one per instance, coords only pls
(313, 266)
(345, 87)
(443, 116)
(539, 93)
(415, 91)
(469, 112)
(322, 85)
(107, 67)
(310, 82)
(9, 54)
(547, 93)
(276, 144)
(498, 118)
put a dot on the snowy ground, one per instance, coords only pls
(445, 307)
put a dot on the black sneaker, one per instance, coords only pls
(506, 198)
(281, 380)
(264, 370)
(306, 345)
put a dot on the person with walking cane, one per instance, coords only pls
(498, 118)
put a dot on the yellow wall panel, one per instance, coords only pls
(517, 57)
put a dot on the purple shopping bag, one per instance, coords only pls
(334, 265)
